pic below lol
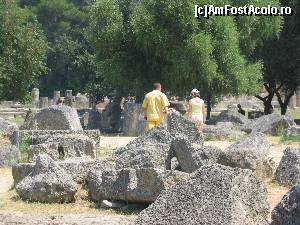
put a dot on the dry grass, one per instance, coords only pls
(10, 201)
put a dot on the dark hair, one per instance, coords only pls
(156, 86)
(194, 94)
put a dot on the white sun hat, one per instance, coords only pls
(195, 90)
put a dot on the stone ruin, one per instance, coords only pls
(9, 143)
(185, 181)
(288, 171)
(212, 195)
(55, 118)
(287, 212)
(48, 182)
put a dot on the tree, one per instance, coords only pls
(139, 42)
(281, 57)
(70, 56)
(22, 51)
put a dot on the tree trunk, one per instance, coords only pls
(208, 111)
(284, 104)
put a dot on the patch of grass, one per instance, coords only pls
(19, 120)
(102, 151)
(24, 145)
(290, 138)
(81, 205)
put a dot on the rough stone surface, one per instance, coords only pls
(9, 155)
(287, 212)
(272, 124)
(222, 131)
(77, 168)
(232, 116)
(48, 182)
(213, 195)
(62, 147)
(45, 134)
(134, 122)
(288, 171)
(250, 153)
(131, 185)
(192, 156)
(181, 127)
(293, 130)
(56, 118)
(151, 150)
(9, 130)
(9, 143)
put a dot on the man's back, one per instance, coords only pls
(155, 102)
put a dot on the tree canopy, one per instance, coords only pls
(281, 58)
(22, 51)
(140, 42)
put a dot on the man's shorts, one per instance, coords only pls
(151, 124)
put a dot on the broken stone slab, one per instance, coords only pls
(287, 212)
(151, 150)
(232, 116)
(288, 171)
(180, 127)
(222, 131)
(48, 182)
(272, 124)
(214, 194)
(10, 131)
(9, 155)
(63, 147)
(40, 136)
(56, 118)
(134, 122)
(192, 156)
(131, 185)
(293, 130)
(77, 168)
(250, 153)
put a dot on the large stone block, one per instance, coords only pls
(9, 143)
(272, 124)
(287, 212)
(47, 183)
(63, 147)
(77, 168)
(192, 156)
(213, 195)
(250, 153)
(134, 122)
(151, 150)
(232, 116)
(56, 118)
(131, 185)
(181, 127)
(288, 171)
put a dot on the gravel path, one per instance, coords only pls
(10, 218)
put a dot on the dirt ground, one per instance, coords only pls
(15, 211)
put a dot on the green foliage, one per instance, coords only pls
(70, 58)
(26, 141)
(281, 55)
(140, 42)
(290, 138)
(22, 51)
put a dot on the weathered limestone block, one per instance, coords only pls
(214, 194)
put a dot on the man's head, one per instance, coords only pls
(157, 86)
(239, 106)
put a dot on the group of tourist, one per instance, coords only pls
(156, 106)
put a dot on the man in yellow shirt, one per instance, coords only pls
(155, 107)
